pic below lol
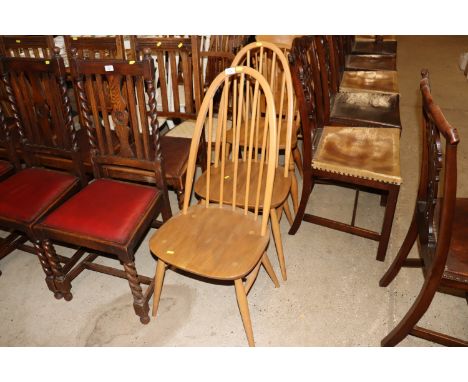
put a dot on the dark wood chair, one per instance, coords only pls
(95, 47)
(224, 242)
(350, 108)
(112, 214)
(179, 95)
(39, 46)
(36, 92)
(7, 154)
(439, 224)
(359, 157)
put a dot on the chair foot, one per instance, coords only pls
(58, 295)
(140, 305)
(145, 320)
(68, 296)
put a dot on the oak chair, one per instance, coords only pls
(349, 108)
(112, 214)
(439, 224)
(95, 47)
(219, 240)
(39, 46)
(41, 113)
(269, 61)
(359, 157)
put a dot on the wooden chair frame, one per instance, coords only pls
(307, 85)
(432, 225)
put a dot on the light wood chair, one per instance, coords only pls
(363, 158)
(439, 225)
(269, 60)
(219, 240)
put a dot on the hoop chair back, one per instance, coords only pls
(241, 88)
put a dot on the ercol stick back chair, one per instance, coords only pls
(352, 109)
(112, 214)
(36, 92)
(219, 240)
(269, 61)
(178, 96)
(361, 157)
(440, 224)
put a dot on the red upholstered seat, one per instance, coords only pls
(106, 209)
(5, 167)
(29, 193)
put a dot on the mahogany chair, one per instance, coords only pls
(439, 225)
(269, 61)
(36, 92)
(221, 241)
(27, 46)
(359, 157)
(112, 214)
(179, 98)
(349, 108)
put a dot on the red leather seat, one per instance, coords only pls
(106, 209)
(5, 167)
(25, 196)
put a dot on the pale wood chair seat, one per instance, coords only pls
(212, 242)
(261, 129)
(281, 185)
(187, 127)
(381, 81)
(363, 152)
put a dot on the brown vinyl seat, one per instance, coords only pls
(370, 62)
(218, 240)
(439, 225)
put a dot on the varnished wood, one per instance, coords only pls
(221, 240)
(439, 226)
(308, 83)
(118, 104)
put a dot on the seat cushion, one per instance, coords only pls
(365, 109)
(5, 167)
(375, 81)
(370, 62)
(175, 152)
(105, 210)
(370, 153)
(387, 48)
(26, 195)
(213, 242)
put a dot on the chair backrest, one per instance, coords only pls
(241, 87)
(307, 86)
(435, 229)
(40, 46)
(122, 126)
(95, 47)
(37, 94)
(270, 61)
(178, 75)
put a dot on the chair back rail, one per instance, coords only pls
(241, 87)
(40, 46)
(96, 47)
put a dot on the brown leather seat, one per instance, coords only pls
(370, 62)
(376, 111)
(382, 81)
(387, 48)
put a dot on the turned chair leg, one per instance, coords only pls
(298, 160)
(403, 253)
(46, 268)
(244, 310)
(158, 283)
(278, 242)
(387, 222)
(307, 187)
(60, 280)
(287, 212)
(139, 304)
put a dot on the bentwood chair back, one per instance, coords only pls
(226, 239)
